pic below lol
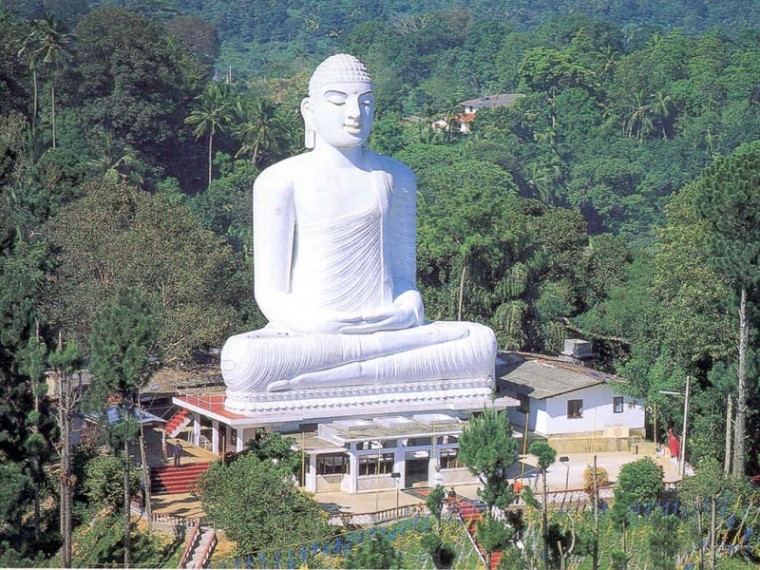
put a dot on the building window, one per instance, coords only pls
(332, 464)
(524, 407)
(376, 464)
(617, 404)
(574, 409)
(447, 439)
(450, 459)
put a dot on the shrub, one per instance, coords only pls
(602, 479)
(378, 552)
(640, 482)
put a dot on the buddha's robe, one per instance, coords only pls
(346, 264)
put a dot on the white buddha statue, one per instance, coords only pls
(334, 259)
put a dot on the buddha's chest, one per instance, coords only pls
(336, 194)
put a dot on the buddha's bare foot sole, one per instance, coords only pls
(339, 377)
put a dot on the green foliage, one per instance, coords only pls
(122, 341)
(663, 541)
(104, 484)
(441, 553)
(435, 501)
(378, 552)
(15, 494)
(545, 454)
(727, 199)
(640, 482)
(488, 449)
(132, 82)
(141, 240)
(493, 534)
(101, 544)
(253, 502)
(274, 447)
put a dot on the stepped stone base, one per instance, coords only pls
(459, 394)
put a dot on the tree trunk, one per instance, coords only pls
(595, 563)
(210, 147)
(729, 421)
(712, 532)
(146, 478)
(741, 394)
(699, 533)
(462, 278)
(127, 522)
(52, 96)
(36, 99)
(66, 487)
(546, 526)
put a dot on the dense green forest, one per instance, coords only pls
(616, 200)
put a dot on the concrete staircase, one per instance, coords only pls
(172, 480)
(177, 423)
(200, 552)
(470, 514)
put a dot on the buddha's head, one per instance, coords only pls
(340, 105)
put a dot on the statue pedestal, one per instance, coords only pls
(459, 394)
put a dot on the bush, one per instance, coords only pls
(378, 552)
(602, 479)
(441, 554)
(640, 482)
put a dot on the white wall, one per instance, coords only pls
(549, 417)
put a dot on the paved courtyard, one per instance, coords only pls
(558, 476)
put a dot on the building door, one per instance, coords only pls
(417, 468)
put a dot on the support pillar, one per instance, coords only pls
(310, 480)
(399, 465)
(434, 468)
(227, 437)
(353, 467)
(240, 445)
(215, 437)
(196, 429)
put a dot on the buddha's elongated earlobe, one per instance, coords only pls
(310, 136)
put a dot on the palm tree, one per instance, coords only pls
(31, 50)
(640, 118)
(663, 108)
(259, 130)
(49, 47)
(212, 113)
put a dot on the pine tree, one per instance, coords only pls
(728, 199)
(121, 341)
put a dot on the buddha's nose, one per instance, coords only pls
(352, 109)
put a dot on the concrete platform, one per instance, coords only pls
(186, 505)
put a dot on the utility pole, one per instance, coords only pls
(682, 466)
(729, 421)
(596, 519)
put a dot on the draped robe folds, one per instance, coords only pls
(344, 263)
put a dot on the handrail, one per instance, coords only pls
(473, 542)
(377, 517)
(206, 555)
(190, 544)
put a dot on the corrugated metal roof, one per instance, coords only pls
(500, 100)
(545, 377)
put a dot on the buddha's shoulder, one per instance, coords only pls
(400, 171)
(281, 174)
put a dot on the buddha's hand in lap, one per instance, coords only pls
(391, 318)
(322, 322)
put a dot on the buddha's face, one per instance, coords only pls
(341, 113)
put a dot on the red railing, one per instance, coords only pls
(190, 544)
(206, 554)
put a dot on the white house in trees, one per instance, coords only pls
(563, 399)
